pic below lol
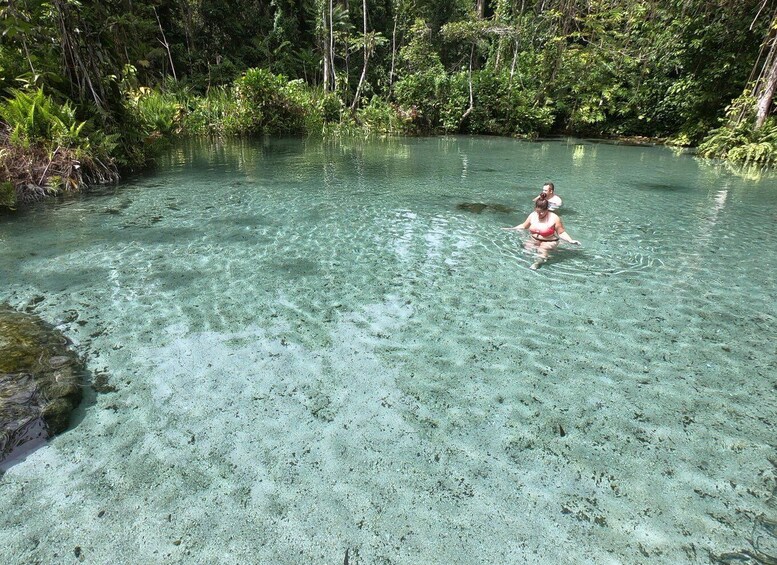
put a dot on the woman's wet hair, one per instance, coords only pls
(542, 202)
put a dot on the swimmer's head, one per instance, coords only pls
(541, 203)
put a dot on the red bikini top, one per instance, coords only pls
(544, 232)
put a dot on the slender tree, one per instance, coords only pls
(331, 51)
(370, 40)
(767, 79)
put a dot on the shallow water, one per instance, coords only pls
(331, 352)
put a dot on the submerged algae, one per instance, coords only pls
(40, 381)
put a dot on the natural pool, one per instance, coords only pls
(331, 353)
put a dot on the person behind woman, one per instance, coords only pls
(546, 230)
(554, 200)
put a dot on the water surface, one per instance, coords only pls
(323, 348)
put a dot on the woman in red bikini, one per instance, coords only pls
(546, 230)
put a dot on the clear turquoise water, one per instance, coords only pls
(320, 348)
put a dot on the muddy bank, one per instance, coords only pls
(34, 172)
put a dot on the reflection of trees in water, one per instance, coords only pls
(702, 241)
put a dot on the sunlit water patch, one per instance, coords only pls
(319, 350)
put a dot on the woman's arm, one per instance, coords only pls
(562, 233)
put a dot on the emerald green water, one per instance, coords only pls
(327, 348)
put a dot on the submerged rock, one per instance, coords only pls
(40, 381)
(480, 207)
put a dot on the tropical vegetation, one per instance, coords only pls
(88, 89)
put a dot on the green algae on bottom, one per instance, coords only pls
(40, 380)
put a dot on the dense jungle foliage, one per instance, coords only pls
(88, 88)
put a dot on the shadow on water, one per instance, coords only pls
(170, 280)
(483, 170)
(241, 229)
(660, 187)
(118, 209)
(141, 233)
(480, 207)
(561, 256)
(246, 236)
(244, 220)
(60, 280)
(297, 268)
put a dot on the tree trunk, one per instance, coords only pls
(325, 46)
(480, 8)
(767, 95)
(515, 59)
(393, 49)
(79, 68)
(471, 92)
(166, 45)
(188, 26)
(332, 45)
(358, 94)
(767, 83)
(29, 59)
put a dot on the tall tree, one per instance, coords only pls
(767, 79)
(370, 40)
